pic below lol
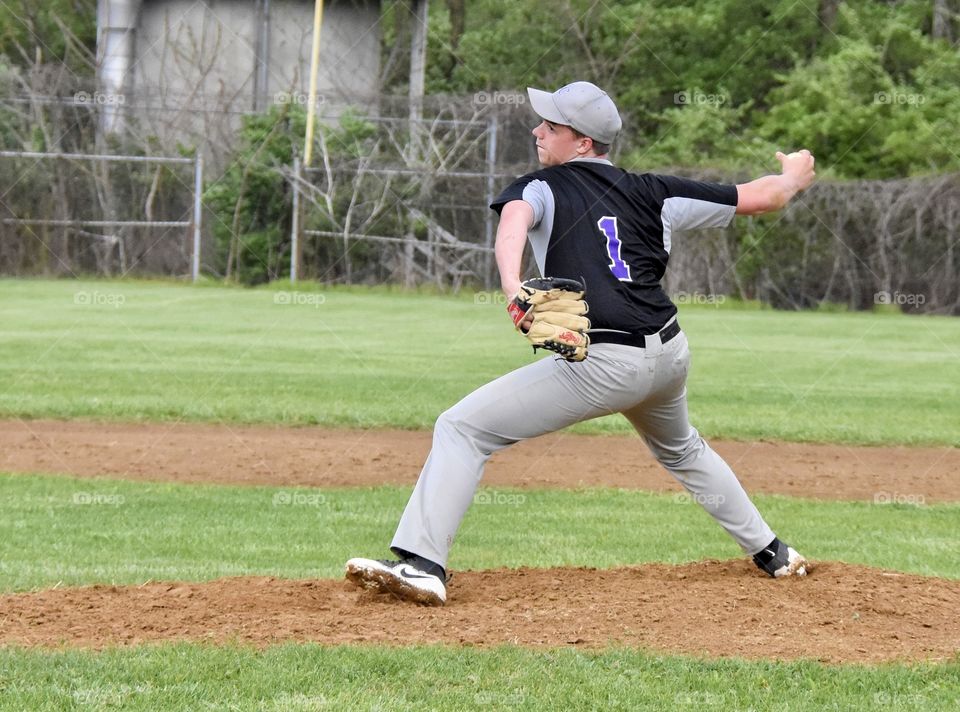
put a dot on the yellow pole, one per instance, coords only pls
(314, 68)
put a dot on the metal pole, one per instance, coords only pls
(94, 157)
(116, 30)
(97, 223)
(261, 77)
(314, 70)
(295, 221)
(488, 214)
(418, 63)
(197, 189)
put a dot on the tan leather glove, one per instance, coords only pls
(557, 308)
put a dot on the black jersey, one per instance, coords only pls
(613, 229)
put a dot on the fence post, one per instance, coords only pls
(295, 221)
(488, 214)
(418, 63)
(197, 212)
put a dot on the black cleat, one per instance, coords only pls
(778, 560)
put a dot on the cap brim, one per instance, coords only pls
(543, 104)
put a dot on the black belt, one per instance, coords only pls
(638, 340)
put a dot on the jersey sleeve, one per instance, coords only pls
(532, 191)
(690, 204)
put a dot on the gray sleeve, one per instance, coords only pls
(689, 204)
(538, 194)
(691, 213)
(681, 214)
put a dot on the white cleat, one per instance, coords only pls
(400, 578)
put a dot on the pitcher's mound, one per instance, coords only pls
(839, 613)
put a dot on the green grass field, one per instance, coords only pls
(295, 678)
(75, 531)
(161, 351)
(351, 357)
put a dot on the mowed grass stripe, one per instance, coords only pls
(59, 530)
(311, 677)
(380, 357)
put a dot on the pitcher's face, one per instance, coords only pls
(558, 144)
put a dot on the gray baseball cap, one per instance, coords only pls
(582, 105)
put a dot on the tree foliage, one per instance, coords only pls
(869, 86)
(866, 85)
(251, 201)
(63, 32)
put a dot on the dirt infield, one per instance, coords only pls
(839, 613)
(319, 457)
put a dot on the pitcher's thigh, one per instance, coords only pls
(540, 398)
(665, 426)
(663, 418)
(524, 403)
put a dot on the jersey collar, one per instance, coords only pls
(590, 159)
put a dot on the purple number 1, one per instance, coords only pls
(608, 226)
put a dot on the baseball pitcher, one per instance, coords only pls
(601, 236)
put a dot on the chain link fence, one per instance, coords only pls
(65, 214)
(406, 202)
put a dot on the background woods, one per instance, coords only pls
(709, 88)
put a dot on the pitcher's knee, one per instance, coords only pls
(448, 424)
(455, 427)
(452, 427)
(679, 457)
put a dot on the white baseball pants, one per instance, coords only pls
(647, 385)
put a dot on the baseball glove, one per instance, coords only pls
(557, 308)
